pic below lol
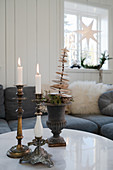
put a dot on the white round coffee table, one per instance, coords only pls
(84, 151)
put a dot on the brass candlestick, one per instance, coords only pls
(38, 99)
(39, 155)
(19, 150)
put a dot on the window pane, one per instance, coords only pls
(70, 37)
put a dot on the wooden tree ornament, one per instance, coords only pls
(61, 84)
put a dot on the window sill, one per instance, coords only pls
(82, 70)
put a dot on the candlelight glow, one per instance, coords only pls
(37, 69)
(19, 62)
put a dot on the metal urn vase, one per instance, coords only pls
(56, 122)
(56, 103)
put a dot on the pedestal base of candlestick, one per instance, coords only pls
(18, 152)
(39, 155)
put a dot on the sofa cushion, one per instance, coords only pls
(27, 123)
(4, 128)
(11, 104)
(107, 130)
(85, 95)
(105, 103)
(72, 123)
(2, 110)
(100, 120)
(80, 124)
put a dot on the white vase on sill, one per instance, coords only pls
(38, 130)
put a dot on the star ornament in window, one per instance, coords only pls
(87, 32)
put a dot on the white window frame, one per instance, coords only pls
(98, 18)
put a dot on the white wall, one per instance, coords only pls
(33, 31)
(29, 30)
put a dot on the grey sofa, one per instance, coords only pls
(98, 124)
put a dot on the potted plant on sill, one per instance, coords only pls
(56, 103)
(99, 66)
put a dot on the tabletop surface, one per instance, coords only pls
(83, 151)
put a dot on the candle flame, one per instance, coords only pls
(19, 62)
(37, 68)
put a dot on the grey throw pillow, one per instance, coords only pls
(105, 103)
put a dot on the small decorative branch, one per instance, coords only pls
(99, 66)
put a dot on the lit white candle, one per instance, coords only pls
(38, 81)
(38, 130)
(19, 73)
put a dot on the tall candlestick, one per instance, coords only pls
(19, 73)
(38, 130)
(38, 81)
